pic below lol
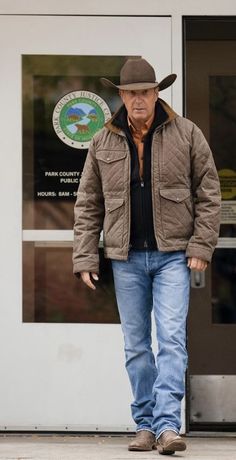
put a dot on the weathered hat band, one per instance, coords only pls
(165, 83)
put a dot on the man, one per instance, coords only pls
(151, 184)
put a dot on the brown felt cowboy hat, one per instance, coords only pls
(137, 74)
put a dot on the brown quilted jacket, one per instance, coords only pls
(185, 193)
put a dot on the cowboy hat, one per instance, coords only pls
(137, 74)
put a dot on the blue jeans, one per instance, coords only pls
(159, 281)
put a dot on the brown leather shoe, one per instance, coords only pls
(144, 440)
(169, 442)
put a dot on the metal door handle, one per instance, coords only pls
(198, 279)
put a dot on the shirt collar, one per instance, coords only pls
(145, 127)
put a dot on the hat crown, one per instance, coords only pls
(138, 74)
(137, 71)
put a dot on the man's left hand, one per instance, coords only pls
(196, 264)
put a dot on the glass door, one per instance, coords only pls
(61, 345)
(210, 48)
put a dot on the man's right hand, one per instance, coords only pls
(86, 277)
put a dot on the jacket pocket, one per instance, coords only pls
(177, 213)
(112, 166)
(113, 222)
(110, 157)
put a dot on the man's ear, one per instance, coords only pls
(157, 93)
(121, 94)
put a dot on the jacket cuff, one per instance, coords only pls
(199, 252)
(90, 264)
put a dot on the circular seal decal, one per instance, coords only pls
(78, 116)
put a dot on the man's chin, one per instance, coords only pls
(140, 117)
(140, 112)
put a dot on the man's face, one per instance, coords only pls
(140, 104)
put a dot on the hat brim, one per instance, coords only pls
(165, 83)
(129, 86)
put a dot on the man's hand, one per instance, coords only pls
(198, 265)
(86, 277)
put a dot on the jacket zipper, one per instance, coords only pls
(142, 183)
(129, 205)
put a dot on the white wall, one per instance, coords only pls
(150, 7)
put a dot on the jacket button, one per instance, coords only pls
(108, 159)
(177, 199)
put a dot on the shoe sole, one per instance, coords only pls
(140, 449)
(178, 445)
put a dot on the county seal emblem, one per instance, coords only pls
(77, 116)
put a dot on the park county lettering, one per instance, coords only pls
(64, 177)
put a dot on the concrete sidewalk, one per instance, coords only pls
(97, 447)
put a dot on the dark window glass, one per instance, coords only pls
(54, 152)
(52, 294)
(224, 286)
(210, 47)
